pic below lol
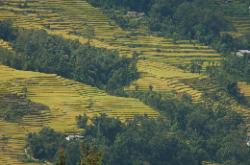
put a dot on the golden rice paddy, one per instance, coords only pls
(66, 100)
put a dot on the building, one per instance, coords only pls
(242, 53)
(73, 137)
(135, 14)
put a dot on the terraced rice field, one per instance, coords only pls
(66, 100)
(244, 89)
(69, 17)
(240, 19)
(209, 163)
(159, 61)
(5, 45)
(241, 23)
(210, 87)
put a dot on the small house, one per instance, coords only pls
(134, 14)
(242, 53)
(73, 137)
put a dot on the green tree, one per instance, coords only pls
(89, 33)
(196, 66)
(45, 144)
(90, 155)
(7, 32)
(82, 121)
(62, 158)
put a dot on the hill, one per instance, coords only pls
(238, 13)
(164, 64)
(66, 100)
(68, 18)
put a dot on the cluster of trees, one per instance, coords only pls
(13, 108)
(38, 51)
(140, 5)
(194, 19)
(232, 70)
(52, 146)
(201, 20)
(184, 134)
(7, 32)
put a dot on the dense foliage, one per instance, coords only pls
(232, 70)
(53, 146)
(38, 51)
(13, 108)
(45, 143)
(185, 134)
(6, 32)
(195, 19)
(211, 130)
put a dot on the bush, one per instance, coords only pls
(7, 32)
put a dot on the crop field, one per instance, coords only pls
(210, 87)
(241, 23)
(68, 18)
(163, 65)
(244, 89)
(240, 19)
(5, 45)
(66, 100)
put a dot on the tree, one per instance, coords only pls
(82, 121)
(45, 144)
(25, 92)
(89, 33)
(90, 104)
(104, 129)
(5, 141)
(90, 155)
(7, 32)
(150, 88)
(62, 158)
(73, 152)
(196, 66)
(23, 4)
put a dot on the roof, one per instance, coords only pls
(244, 51)
(71, 137)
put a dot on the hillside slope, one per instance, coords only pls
(66, 100)
(160, 63)
(238, 13)
(69, 17)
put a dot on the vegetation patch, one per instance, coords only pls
(13, 107)
(39, 51)
(189, 134)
